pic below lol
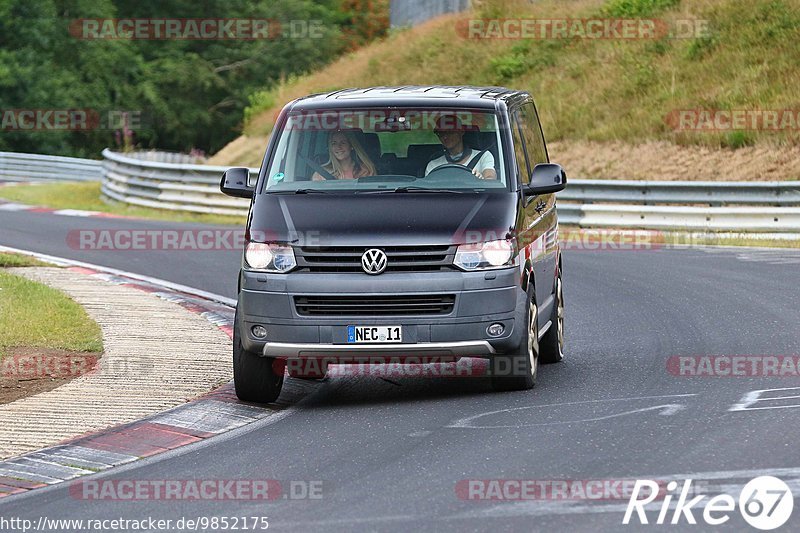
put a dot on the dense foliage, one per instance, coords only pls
(176, 94)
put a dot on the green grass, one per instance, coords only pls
(34, 315)
(19, 260)
(637, 8)
(741, 57)
(86, 196)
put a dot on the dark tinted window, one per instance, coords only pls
(519, 150)
(532, 133)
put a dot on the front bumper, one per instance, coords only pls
(422, 349)
(481, 299)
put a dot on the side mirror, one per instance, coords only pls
(234, 183)
(546, 178)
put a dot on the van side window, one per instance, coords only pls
(532, 133)
(523, 167)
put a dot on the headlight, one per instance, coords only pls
(484, 255)
(269, 257)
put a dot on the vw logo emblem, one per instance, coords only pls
(373, 261)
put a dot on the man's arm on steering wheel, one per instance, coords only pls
(487, 174)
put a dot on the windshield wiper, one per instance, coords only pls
(411, 188)
(299, 191)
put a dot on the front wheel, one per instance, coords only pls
(552, 345)
(517, 369)
(257, 379)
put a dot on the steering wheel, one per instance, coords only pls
(450, 165)
(454, 165)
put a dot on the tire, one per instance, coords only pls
(257, 379)
(307, 368)
(523, 361)
(551, 347)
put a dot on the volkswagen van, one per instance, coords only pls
(409, 224)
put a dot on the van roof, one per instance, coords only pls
(422, 95)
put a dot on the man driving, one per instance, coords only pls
(450, 131)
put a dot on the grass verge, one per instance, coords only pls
(86, 196)
(36, 316)
(592, 239)
(19, 260)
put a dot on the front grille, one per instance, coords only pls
(399, 258)
(414, 304)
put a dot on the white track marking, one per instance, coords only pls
(13, 207)
(669, 409)
(753, 397)
(75, 213)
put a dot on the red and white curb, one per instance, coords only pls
(208, 416)
(213, 414)
(13, 206)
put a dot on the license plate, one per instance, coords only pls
(357, 334)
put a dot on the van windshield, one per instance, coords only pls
(388, 150)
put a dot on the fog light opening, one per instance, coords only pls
(496, 329)
(259, 332)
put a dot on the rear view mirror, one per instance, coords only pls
(235, 183)
(546, 178)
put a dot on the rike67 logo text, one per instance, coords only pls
(765, 503)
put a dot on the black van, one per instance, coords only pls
(410, 224)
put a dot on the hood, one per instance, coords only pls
(391, 219)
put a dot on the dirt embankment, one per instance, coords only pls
(666, 161)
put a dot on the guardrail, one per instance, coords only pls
(140, 179)
(707, 205)
(37, 167)
(174, 186)
(718, 219)
(712, 193)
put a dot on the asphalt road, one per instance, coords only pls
(390, 453)
(213, 270)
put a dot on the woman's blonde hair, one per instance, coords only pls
(361, 160)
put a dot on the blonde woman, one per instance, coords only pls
(347, 159)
